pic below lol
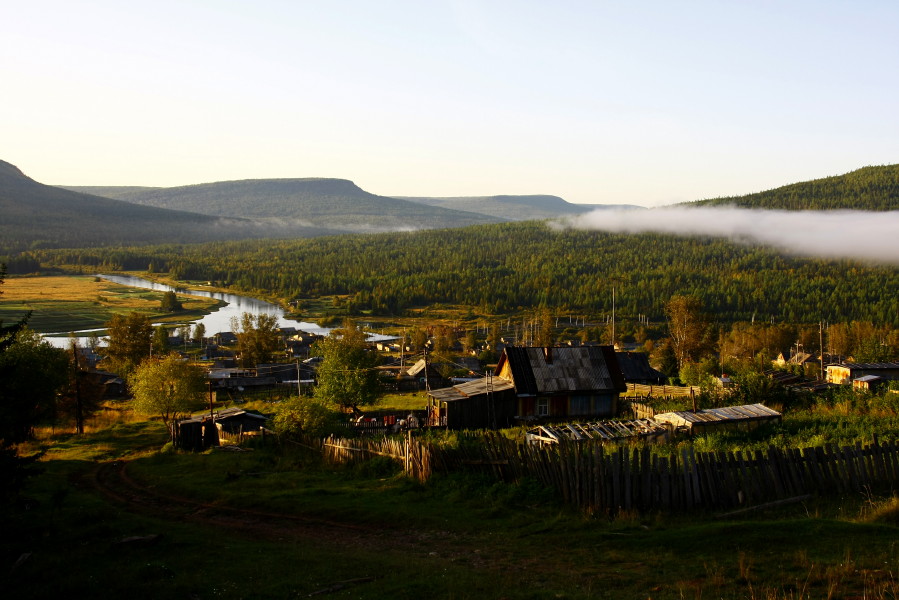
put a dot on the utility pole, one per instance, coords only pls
(427, 385)
(613, 316)
(79, 412)
(299, 381)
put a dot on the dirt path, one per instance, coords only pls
(112, 480)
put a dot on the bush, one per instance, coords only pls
(305, 416)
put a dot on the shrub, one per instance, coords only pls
(302, 415)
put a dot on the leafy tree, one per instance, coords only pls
(129, 342)
(168, 387)
(170, 303)
(419, 338)
(686, 327)
(31, 373)
(160, 341)
(257, 338)
(199, 332)
(470, 341)
(443, 341)
(347, 377)
(544, 322)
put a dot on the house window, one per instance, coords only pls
(542, 407)
(580, 405)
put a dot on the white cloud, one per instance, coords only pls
(867, 236)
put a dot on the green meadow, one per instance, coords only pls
(274, 521)
(71, 303)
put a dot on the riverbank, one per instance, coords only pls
(63, 303)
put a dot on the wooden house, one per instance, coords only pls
(557, 383)
(846, 373)
(533, 384)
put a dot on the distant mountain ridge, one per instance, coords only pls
(317, 202)
(34, 215)
(517, 208)
(869, 188)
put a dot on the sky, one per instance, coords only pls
(647, 103)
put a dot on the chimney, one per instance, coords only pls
(548, 354)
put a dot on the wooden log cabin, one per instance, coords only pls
(534, 384)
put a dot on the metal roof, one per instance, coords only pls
(746, 412)
(869, 378)
(538, 370)
(869, 366)
(470, 389)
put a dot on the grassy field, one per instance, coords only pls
(275, 522)
(70, 303)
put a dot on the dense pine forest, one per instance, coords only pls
(869, 188)
(506, 267)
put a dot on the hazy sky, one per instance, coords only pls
(604, 102)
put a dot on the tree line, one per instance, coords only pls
(502, 268)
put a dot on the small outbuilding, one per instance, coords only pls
(868, 383)
(746, 417)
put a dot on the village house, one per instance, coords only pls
(534, 384)
(846, 373)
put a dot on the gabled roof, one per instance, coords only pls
(564, 369)
(800, 358)
(635, 367)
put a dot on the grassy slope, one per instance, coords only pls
(869, 188)
(456, 537)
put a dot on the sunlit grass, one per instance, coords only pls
(73, 302)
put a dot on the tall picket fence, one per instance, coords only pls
(609, 479)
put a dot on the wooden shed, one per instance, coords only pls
(748, 416)
(487, 403)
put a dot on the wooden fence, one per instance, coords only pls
(660, 391)
(605, 479)
(608, 479)
(415, 456)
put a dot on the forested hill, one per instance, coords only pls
(34, 215)
(337, 204)
(505, 267)
(516, 208)
(869, 188)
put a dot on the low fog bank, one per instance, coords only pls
(860, 235)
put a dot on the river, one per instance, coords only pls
(215, 322)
